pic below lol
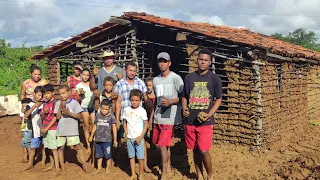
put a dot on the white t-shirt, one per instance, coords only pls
(36, 120)
(135, 120)
(87, 101)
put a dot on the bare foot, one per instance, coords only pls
(96, 171)
(48, 168)
(140, 177)
(108, 171)
(57, 173)
(63, 171)
(200, 177)
(29, 166)
(147, 170)
(87, 167)
(210, 178)
(24, 160)
(133, 177)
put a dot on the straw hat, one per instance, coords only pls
(108, 53)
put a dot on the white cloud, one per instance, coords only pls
(216, 20)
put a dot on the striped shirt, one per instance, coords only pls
(123, 89)
(50, 116)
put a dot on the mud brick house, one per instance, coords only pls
(269, 85)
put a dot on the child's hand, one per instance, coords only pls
(63, 105)
(82, 92)
(125, 135)
(114, 95)
(150, 127)
(43, 131)
(46, 110)
(90, 139)
(138, 140)
(95, 70)
(96, 93)
(118, 125)
(115, 143)
(66, 112)
(185, 111)
(119, 75)
(165, 102)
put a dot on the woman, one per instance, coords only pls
(28, 85)
(75, 79)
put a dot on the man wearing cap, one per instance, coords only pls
(168, 88)
(108, 69)
(202, 98)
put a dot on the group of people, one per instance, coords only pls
(117, 108)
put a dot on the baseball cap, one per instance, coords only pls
(163, 55)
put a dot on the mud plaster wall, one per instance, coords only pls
(314, 93)
(285, 105)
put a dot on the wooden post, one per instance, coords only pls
(259, 103)
(134, 45)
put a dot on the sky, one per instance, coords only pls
(47, 22)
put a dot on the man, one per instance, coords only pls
(168, 88)
(108, 69)
(123, 88)
(202, 98)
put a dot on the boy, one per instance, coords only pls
(26, 129)
(68, 111)
(105, 123)
(34, 114)
(135, 126)
(49, 125)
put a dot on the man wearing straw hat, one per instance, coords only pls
(108, 69)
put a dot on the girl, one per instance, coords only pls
(85, 98)
(148, 105)
(74, 79)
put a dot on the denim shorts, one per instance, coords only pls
(103, 150)
(36, 142)
(135, 150)
(26, 139)
(89, 110)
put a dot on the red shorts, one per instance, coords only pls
(198, 136)
(162, 134)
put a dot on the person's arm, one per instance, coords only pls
(145, 128)
(92, 83)
(118, 109)
(114, 132)
(54, 120)
(217, 95)
(67, 112)
(125, 128)
(68, 81)
(23, 90)
(151, 119)
(185, 109)
(28, 113)
(93, 133)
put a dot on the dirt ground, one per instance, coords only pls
(296, 156)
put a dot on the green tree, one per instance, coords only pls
(14, 67)
(300, 37)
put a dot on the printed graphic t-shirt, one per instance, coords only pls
(104, 127)
(135, 120)
(200, 91)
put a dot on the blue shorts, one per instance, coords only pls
(103, 149)
(90, 110)
(36, 142)
(26, 139)
(135, 150)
